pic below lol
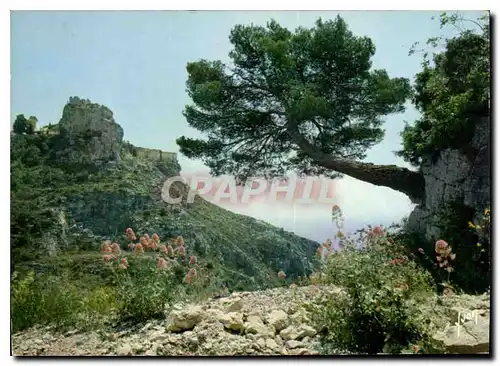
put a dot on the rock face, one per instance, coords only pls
(91, 132)
(455, 175)
(468, 326)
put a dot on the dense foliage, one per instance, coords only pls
(451, 92)
(285, 92)
(116, 285)
(381, 308)
(23, 125)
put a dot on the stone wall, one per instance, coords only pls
(155, 154)
(90, 132)
(456, 175)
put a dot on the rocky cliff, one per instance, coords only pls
(458, 197)
(90, 132)
(455, 176)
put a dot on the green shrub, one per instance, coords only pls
(47, 299)
(25, 303)
(381, 309)
(92, 290)
(100, 305)
(143, 291)
(23, 125)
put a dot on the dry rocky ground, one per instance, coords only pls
(270, 322)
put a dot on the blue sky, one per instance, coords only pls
(134, 63)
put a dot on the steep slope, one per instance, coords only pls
(68, 194)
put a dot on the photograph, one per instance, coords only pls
(282, 184)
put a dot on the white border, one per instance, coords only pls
(251, 5)
(185, 5)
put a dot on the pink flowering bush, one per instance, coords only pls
(137, 280)
(130, 234)
(115, 248)
(106, 248)
(181, 250)
(442, 261)
(191, 275)
(162, 263)
(145, 290)
(384, 289)
(153, 274)
(170, 251)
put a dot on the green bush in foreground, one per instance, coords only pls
(144, 292)
(55, 300)
(138, 285)
(381, 310)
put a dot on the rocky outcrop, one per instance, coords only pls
(269, 322)
(90, 131)
(467, 328)
(455, 176)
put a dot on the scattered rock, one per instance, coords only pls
(290, 333)
(255, 325)
(124, 350)
(300, 317)
(237, 305)
(233, 321)
(261, 343)
(180, 320)
(299, 351)
(470, 337)
(306, 331)
(261, 327)
(191, 338)
(272, 345)
(278, 319)
(156, 348)
(293, 332)
(158, 335)
(291, 344)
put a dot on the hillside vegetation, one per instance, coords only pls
(62, 211)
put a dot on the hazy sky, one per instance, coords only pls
(135, 63)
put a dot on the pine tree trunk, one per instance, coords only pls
(400, 179)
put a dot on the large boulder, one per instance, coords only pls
(470, 337)
(467, 329)
(278, 319)
(184, 319)
(233, 321)
(255, 325)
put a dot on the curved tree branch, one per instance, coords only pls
(400, 179)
